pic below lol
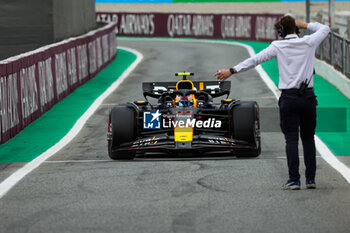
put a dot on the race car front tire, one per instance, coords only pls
(122, 127)
(246, 127)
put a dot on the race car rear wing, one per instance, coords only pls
(214, 88)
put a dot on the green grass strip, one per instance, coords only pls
(56, 123)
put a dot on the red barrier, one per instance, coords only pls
(31, 83)
(256, 27)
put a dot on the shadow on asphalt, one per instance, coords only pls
(188, 157)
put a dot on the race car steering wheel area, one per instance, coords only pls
(199, 95)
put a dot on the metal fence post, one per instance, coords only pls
(348, 27)
(344, 55)
(332, 49)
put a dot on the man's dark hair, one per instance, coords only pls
(288, 24)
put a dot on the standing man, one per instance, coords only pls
(295, 61)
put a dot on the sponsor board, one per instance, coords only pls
(31, 83)
(217, 26)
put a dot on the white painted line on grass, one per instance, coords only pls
(321, 147)
(13, 179)
(330, 158)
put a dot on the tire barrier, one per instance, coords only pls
(253, 27)
(33, 82)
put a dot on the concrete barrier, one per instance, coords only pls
(333, 76)
(31, 83)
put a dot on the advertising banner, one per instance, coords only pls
(31, 83)
(255, 27)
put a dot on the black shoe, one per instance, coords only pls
(310, 184)
(291, 185)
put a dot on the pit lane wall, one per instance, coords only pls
(253, 27)
(31, 83)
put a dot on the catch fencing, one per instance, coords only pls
(31, 83)
(335, 50)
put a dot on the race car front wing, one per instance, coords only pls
(164, 143)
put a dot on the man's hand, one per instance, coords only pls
(301, 25)
(223, 74)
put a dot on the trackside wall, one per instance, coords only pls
(31, 83)
(253, 27)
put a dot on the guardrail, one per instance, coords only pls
(335, 50)
(31, 83)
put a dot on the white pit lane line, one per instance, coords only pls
(14, 178)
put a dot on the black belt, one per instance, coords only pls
(296, 89)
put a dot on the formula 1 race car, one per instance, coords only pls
(184, 120)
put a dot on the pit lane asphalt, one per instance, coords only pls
(80, 190)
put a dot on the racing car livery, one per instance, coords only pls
(184, 120)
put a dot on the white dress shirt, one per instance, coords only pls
(294, 55)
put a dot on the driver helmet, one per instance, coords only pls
(184, 101)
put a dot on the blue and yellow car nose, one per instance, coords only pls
(183, 134)
(183, 137)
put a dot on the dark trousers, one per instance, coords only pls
(299, 112)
